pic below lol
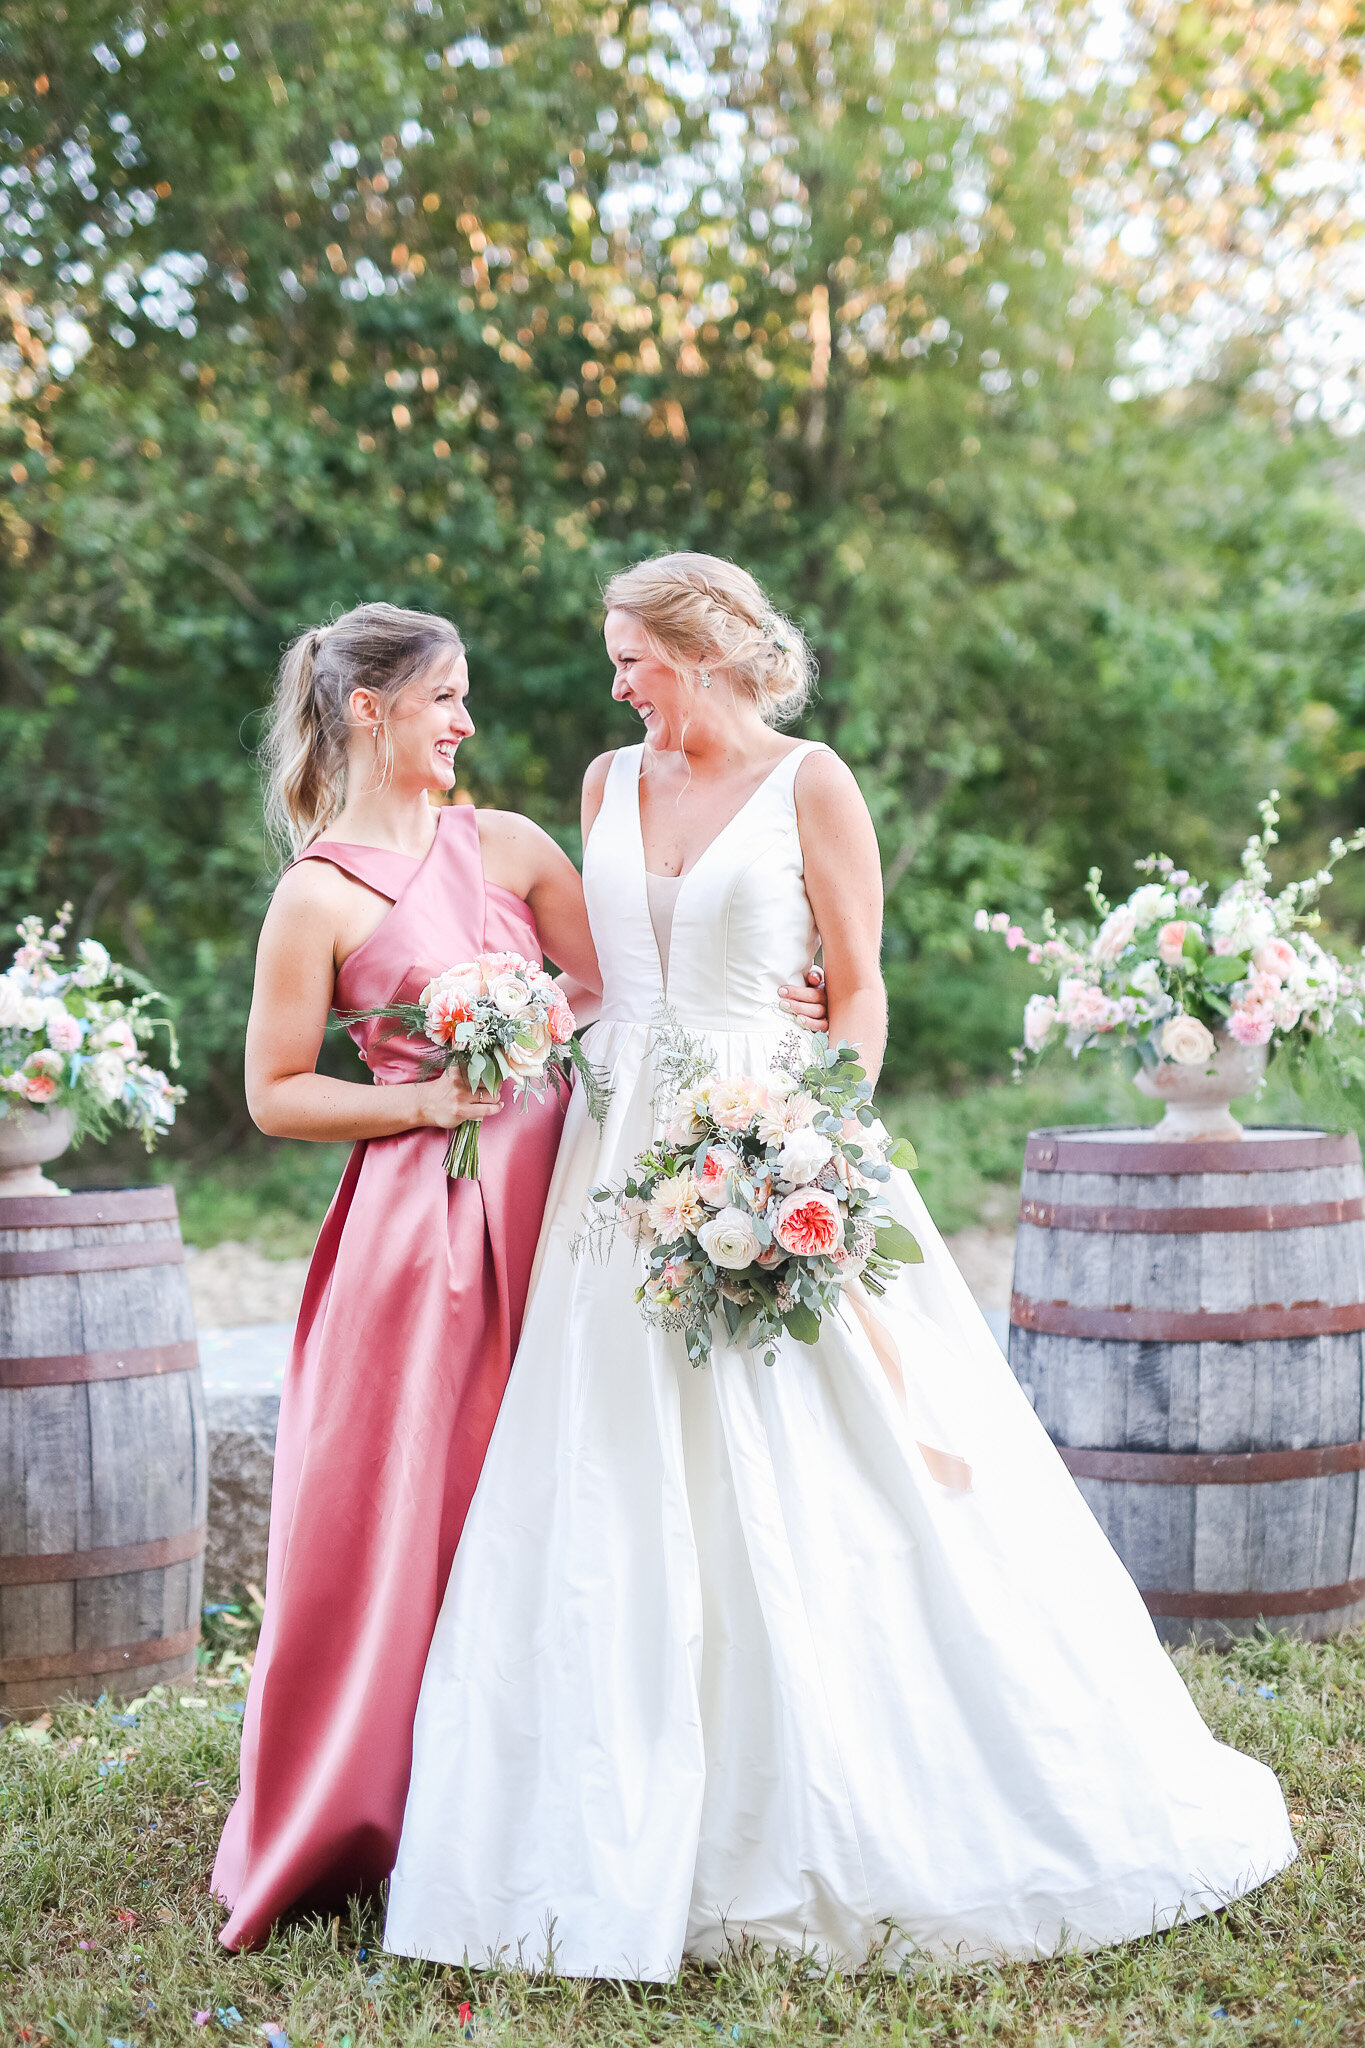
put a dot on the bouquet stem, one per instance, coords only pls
(462, 1153)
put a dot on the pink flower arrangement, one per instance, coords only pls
(1169, 969)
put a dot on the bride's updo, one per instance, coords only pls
(700, 613)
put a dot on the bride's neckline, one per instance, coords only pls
(802, 747)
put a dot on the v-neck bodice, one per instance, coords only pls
(742, 923)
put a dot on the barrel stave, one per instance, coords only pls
(98, 1464)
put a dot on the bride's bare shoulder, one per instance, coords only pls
(823, 783)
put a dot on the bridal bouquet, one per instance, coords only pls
(68, 1040)
(756, 1206)
(497, 1018)
(1167, 970)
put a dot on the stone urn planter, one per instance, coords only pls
(1197, 1097)
(29, 1140)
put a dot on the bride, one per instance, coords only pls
(830, 1653)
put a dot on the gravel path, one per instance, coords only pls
(232, 1284)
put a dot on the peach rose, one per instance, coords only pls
(736, 1102)
(1187, 1041)
(1170, 941)
(713, 1175)
(809, 1222)
(37, 1087)
(1276, 958)
(560, 1021)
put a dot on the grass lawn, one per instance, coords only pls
(108, 1822)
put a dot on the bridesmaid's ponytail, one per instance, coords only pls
(705, 616)
(376, 647)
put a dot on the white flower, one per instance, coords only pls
(1040, 1015)
(676, 1206)
(1241, 918)
(1187, 1041)
(1146, 979)
(1150, 904)
(528, 1061)
(687, 1124)
(510, 994)
(108, 1075)
(94, 964)
(802, 1157)
(1114, 934)
(12, 1000)
(982, 920)
(633, 1212)
(730, 1240)
(793, 1113)
(116, 1036)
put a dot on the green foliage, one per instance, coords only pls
(108, 1830)
(380, 303)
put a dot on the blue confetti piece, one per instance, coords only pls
(1265, 1692)
(1218, 2012)
(274, 2038)
(361, 1954)
(377, 1978)
(221, 1607)
(107, 1770)
(124, 1720)
(229, 2016)
(114, 2042)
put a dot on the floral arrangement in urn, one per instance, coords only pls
(71, 1054)
(1202, 990)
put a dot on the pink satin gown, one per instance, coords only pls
(405, 1338)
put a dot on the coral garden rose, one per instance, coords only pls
(560, 1021)
(448, 1003)
(1170, 941)
(1186, 1041)
(804, 1155)
(38, 1088)
(730, 1240)
(736, 1102)
(713, 1175)
(809, 1222)
(676, 1206)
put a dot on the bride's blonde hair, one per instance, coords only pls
(704, 616)
(376, 647)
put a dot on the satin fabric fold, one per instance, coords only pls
(410, 1315)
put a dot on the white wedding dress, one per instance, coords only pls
(720, 1656)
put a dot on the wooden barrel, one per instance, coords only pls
(103, 1460)
(1188, 1322)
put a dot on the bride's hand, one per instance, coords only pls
(806, 1002)
(448, 1101)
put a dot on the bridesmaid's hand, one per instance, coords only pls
(806, 1003)
(448, 1100)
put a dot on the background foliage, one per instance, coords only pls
(465, 308)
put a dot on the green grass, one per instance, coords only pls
(107, 1932)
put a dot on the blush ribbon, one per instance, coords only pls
(949, 1470)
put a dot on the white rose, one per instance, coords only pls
(730, 1240)
(1150, 904)
(1187, 1041)
(94, 967)
(804, 1153)
(32, 1013)
(1114, 934)
(11, 1003)
(1146, 979)
(108, 1075)
(117, 1036)
(510, 994)
(1040, 1014)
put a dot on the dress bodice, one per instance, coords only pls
(742, 922)
(443, 912)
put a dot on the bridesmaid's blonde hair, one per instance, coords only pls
(703, 615)
(378, 647)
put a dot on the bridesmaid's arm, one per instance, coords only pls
(295, 979)
(844, 883)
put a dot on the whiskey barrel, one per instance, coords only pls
(1189, 1322)
(103, 1465)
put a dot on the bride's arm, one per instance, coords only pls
(844, 883)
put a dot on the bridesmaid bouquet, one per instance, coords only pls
(755, 1206)
(69, 1040)
(497, 1018)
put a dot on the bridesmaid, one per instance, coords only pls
(414, 1298)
